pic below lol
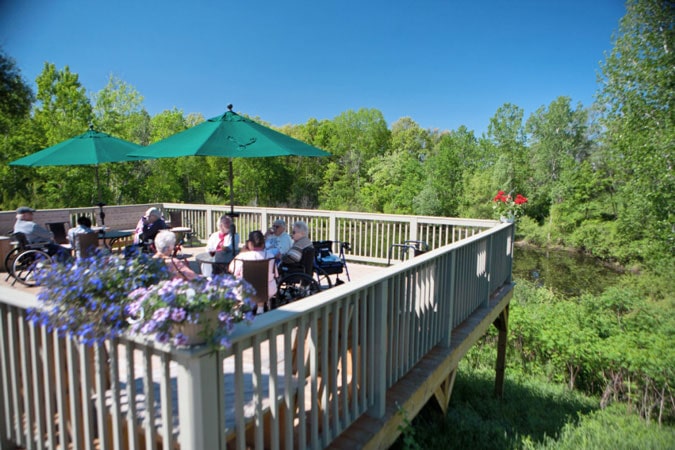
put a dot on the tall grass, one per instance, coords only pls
(534, 414)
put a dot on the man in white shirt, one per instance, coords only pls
(277, 240)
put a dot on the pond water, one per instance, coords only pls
(567, 273)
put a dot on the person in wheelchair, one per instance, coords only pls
(292, 261)
(35, 234)
(146, 231)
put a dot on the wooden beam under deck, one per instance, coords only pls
(407, 397)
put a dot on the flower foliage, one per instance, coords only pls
(86, 297)
(216, 304)
(507, 206)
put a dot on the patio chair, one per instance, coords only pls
(86, 244)
(258, 274)
(60, 232)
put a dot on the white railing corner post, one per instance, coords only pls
(380, 308)
(332, 227)
(199, 391)
(413, 228)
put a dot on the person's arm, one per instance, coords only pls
(294, 255)
(39, 233)
(212, 243)
(285, 244)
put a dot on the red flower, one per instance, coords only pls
(506, 206)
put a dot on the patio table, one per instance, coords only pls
(208, 265)
(110, 237)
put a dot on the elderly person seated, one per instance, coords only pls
(255, 251)
(148, 226)
(223, 245)
(293, 258)
(277, 240)
(36, 234)
(165, 242)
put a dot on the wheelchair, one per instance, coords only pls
(22, 260)
(296, 281)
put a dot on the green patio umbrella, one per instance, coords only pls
(90, 148)
(232, 136)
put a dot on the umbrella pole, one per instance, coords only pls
(231, 190)
(100, 202)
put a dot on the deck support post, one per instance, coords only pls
(502, 324)
(199, 391)
(444, 391)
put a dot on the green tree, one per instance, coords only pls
(62, 112)
(506, 136)
(638, 95)
(16, 137)
(118, 110)
(396, 176)
(358, 138)
(557, 144)
(16, 97)
(450, 160)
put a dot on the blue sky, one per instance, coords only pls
(442, 63)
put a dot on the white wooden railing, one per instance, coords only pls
(296, 378)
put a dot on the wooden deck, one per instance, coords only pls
(345, 368)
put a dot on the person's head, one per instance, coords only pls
(279, 226)
(224, 224)
(256, 240)
(165, 241)
(84, 221)
(300, 230)
(24, 213)
(153, 215)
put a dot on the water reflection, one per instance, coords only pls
(569, 274)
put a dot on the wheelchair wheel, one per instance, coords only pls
(322, 278)
(9, 261)
(294, 287)
(25, 263)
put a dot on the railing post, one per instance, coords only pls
(413, 228)
(488, 269)
(511, 239)
(332, 227)
(380, 350)
(449, 299)
(209, 222)
(199, 391)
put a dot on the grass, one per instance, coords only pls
(533, 414)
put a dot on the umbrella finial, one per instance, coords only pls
(229, 107)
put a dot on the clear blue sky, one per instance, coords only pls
(442, 63)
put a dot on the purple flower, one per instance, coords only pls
(161, 314)
(163, 337)
(224, 342)
(149, 327)
(178, 314)
(180, 339)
